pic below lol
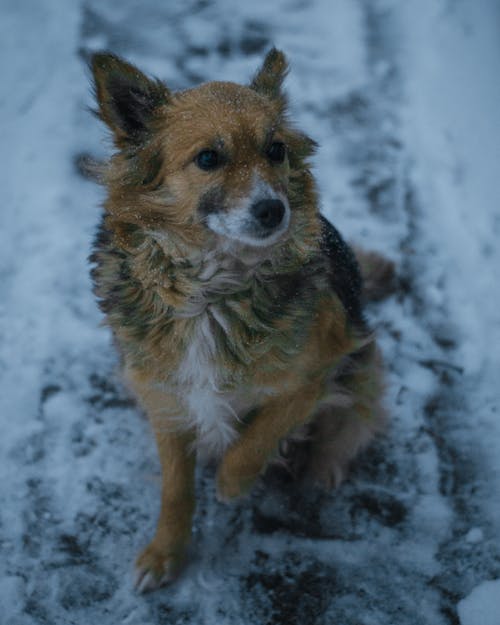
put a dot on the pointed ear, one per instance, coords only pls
(269, 78)
(127, 99)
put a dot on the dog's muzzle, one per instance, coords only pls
(257, 221)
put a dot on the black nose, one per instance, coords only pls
(269, 213)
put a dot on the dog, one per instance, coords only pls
(237, 308)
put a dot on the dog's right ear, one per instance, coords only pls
(127, 99)
(269, 78)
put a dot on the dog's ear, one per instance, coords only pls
(127, 99)
(269, 78)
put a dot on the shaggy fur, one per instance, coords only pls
(236, 307)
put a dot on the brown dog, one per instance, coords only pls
(235, 305)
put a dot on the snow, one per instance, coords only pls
(458, 153)
(453, 124)
(474, 535)
(403, 99)
(482, 606)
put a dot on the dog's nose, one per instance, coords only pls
(269, 213)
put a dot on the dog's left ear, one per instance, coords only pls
(127, 98)
(269, 78)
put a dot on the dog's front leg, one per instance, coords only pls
(162, 559)
(249, 454)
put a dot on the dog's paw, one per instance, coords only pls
(325, 473)
(156, 567)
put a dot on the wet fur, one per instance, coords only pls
(232, 349)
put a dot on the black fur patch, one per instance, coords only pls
(345, 275)
(103, 237)
(144, 168)
(131, 106)
(211, 202)
(127, 98)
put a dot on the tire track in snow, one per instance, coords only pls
(464, 555)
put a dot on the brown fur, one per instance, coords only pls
(291, 348)
(379, 276)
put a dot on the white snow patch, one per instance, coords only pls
(482, 606)
(450, 56)
(474, 535)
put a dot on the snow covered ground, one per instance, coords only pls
(403, 99)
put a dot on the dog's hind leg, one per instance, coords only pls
(347, 421)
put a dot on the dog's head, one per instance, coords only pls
(219, 159)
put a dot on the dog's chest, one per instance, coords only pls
(231, 323)
(212, 412)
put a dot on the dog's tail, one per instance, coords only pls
(378, 273)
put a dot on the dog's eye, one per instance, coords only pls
(207, 159)
(277, 152)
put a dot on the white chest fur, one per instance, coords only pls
(212, 413)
